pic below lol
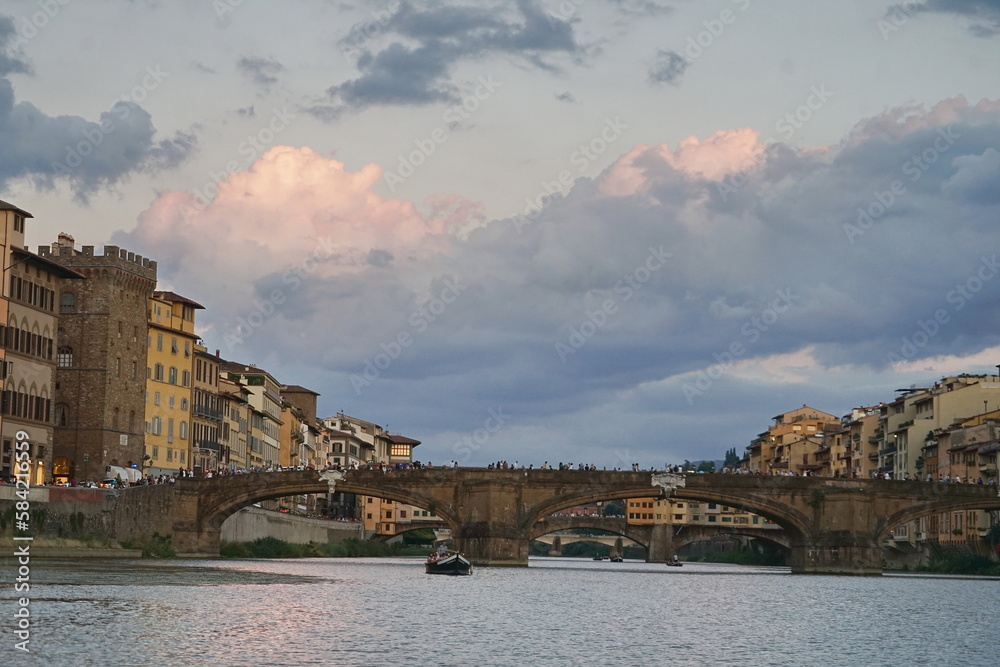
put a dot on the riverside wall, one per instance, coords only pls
(119, 514)
(252, 523)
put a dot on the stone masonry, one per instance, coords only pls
(101, 393)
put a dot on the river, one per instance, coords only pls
(558, 611)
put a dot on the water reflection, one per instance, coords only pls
(556, 612)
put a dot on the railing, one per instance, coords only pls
(210, 445)
(208, 413)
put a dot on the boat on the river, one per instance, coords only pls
(600, 557)
(617, 559)
(674, 563)
(447, 562)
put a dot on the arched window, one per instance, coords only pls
(67, 302)
(64, 357)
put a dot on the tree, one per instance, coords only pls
(706, 466)
(732, 460)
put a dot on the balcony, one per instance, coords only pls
(207, 413)
(209, 445)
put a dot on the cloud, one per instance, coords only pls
(261, 71)
(668, 68)
(646, 276)
(984, 14)
(415, 69)
(87, 155)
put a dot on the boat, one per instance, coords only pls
(447, 562)
(617, 559)
(675, 563)
(600, 557)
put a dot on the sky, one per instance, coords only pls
(607, 232)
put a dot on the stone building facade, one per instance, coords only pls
(101, 359)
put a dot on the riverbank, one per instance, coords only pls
(84, 547)
(271, 547)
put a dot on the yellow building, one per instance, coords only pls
(207, 450)
(771, 453)
(169, 384)
(265, 417)
(234, 405)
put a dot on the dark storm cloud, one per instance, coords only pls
(415, 70)
(668, 68)
(10, 63)
(87, 155)
(262, 71)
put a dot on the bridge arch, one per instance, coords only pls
(931, 508)
(641, 535)
(230, 498)
(794, 522)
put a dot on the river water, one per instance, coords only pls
(558, 611)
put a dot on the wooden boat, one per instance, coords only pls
(449, 562)
(617, 559)
(600, 557)
(675, 563)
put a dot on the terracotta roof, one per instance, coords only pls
(402, 440)
(46, 264)
(174, 297)
(298, 389)
(7, 206)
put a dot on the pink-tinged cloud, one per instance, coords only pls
(288, 203)
(900, 121)
(722, 153)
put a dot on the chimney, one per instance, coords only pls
(64, 240)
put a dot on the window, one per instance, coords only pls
(173, 346)
(170, 401)
(170, 429)
(187, 348)
(118, 366)
(159, 341)
(62, 414)
(172, 377)
(184, 404)
(67, 302)
(156, 452)
(186, 379)
(157, 426)
(158, 372)
(183, 432)
(135, 369)
(156, 398)
(64, 357)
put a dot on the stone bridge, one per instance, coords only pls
(833, 525)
